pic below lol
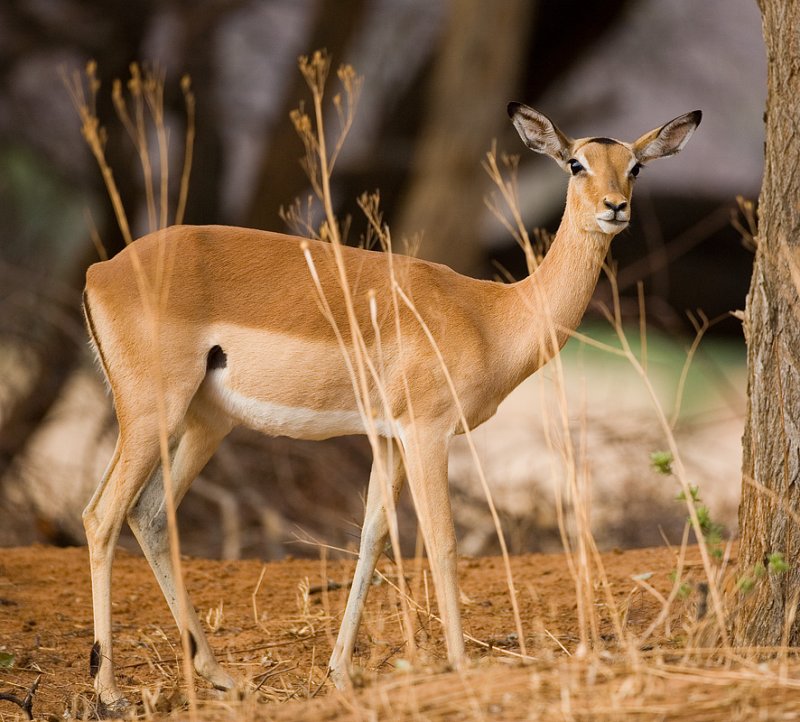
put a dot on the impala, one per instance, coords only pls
(243, 339)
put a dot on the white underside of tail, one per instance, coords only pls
(279, 420)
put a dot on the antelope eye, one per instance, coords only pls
(635, 170)
(574, 166)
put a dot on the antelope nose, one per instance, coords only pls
(616, 207)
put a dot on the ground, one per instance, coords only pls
(272, 625)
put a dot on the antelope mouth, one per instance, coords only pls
(612, 225)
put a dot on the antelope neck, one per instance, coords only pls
(550, 303)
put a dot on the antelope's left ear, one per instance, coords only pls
(667, 140)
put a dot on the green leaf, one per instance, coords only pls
(6, 660)
(746, 584)
(776, 563)
(662, 461)
(693, 490)
(704, 517)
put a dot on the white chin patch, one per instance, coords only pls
(611, 227)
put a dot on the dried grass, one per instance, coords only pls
(610, 673)
(572, 689)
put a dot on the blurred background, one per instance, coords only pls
(437, 77)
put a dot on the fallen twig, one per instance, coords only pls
(27, 703)
(331, 586)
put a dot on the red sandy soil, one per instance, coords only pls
(279, 639)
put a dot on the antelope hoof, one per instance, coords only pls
(116, 708)
(222, 681)
(218, 677)
(339, 676)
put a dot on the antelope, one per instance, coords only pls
(242, 339)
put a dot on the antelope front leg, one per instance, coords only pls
(426, 460)
(385, 478)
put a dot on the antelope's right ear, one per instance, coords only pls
(539, 133)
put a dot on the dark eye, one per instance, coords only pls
(574, 166)
(635, 170)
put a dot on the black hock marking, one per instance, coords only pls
(217, 358)
(604, 141)
(192, 640)
(702, 604)
(94, 660)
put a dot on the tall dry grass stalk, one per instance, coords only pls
(573, 509)
(365, 365)
(574, 506)
(141, 112)
(581, 554)
(362, 369)
(713, 577)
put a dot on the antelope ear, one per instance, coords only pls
(667, 140)
(539, 133)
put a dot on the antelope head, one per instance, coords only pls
(603, 170)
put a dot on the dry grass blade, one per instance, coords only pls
(746, 222)
(615, 319)
(355, 354)
(146, 89)
(465, 425)
(365, 372)
(188, 152)
(84, 100)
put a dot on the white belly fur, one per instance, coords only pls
(278, 420)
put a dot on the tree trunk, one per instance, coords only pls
(474, 76)
(53, 344)
(771, 467)
(281, 178)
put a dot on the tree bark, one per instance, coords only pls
(476, 71)
(771, 465)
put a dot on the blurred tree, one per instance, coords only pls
(768, 515)
(198, 22)
(281, 178)
(50, 331)
(473, 79)
(44, 330)
(490, 53)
